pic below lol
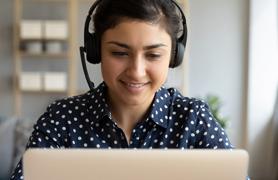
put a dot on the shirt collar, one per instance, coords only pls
(160, 108)
(99, 108)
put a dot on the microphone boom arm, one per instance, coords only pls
(85, 70)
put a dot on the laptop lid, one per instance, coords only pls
(93, 164)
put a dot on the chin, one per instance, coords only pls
(134, 101)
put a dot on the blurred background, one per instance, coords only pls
(231, 61)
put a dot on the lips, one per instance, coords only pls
(134, 87)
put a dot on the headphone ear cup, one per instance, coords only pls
(178, 57)
(92, 48)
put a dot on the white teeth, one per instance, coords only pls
(138, 85)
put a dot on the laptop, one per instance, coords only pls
(121, 164)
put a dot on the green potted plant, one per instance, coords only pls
(215, 104)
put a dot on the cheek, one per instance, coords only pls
(107, 71)
(110, 68)
(159, 72)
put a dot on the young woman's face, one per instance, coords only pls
(135, 60)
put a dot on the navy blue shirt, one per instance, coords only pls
(85, 121)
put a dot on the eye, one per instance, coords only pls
(119, 53)
(153, 56)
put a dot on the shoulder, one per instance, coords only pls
(70, 103)
(79, 102)
(188, 110)
(78, 108)
(184, 103)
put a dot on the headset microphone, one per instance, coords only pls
(84, 66)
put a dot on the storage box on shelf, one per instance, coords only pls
(30, 81)
(47, 37)
(55, 81)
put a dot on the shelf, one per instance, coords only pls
(42, 46)
(43, 39)
(58, 1)
(44, 55)
(45, 1)
(43, 92)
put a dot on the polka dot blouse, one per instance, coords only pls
(85, 121)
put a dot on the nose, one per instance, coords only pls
(136, 68)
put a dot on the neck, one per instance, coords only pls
(126, 115)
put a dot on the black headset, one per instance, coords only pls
(92, 49)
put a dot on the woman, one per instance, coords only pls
(131, 108)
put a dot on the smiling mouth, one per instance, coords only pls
(134, 85)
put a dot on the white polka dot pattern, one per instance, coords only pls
(85, 121)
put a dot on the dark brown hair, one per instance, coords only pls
(110, 13)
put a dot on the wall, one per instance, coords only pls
(233, 54)
(218, 56)
(262, 86)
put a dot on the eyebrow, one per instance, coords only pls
(153, 46)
